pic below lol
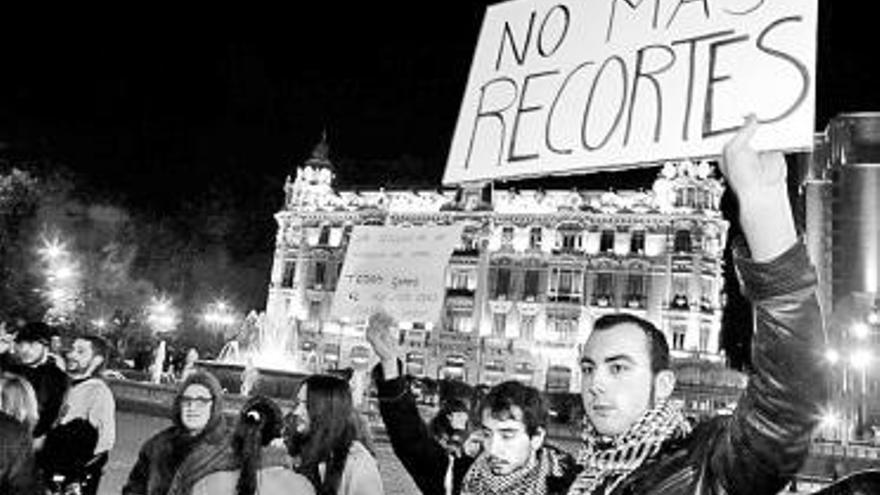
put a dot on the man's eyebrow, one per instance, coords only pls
(586, 360)
(620, 357)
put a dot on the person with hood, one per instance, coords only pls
(253, 462)
(197, 414)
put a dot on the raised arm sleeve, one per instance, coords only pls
(768, 437)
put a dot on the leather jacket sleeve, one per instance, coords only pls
(768, 437)
(422, 456)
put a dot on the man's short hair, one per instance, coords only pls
(100, 347)
(658, 349)
(502, 398)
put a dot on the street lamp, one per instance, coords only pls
(832, 356)
(219, 313)
(162, 316)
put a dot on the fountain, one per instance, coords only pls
(262, 358)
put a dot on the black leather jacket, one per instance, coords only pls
(764, 443)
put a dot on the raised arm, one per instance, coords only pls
(768, 437)
(422, 456)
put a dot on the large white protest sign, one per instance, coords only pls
(396, 269)
(564, 86)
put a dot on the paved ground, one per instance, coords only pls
(132, 430)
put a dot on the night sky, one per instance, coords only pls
(156, 113)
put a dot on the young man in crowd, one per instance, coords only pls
(514, 418)
(90, 398)
(637, 440)
(33, 362)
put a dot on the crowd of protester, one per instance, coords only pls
(57, 415)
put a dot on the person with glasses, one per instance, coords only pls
(197, 414)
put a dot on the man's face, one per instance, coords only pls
(618, 385)
(507, 443)
(30, 353)
(195, 407)
(81, 359)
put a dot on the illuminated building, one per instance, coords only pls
(841, 201)
(533, 270)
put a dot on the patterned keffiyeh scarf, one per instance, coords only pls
(480, 480)
(608, 460)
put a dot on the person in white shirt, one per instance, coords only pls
(90, 398)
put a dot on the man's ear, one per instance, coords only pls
(664, 384)
(537, 440)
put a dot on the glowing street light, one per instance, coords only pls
(832, 356)
(861, 359)
(860, 330)
(219, 314)
(62, 279)
(162, 316)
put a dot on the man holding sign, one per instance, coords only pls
(636, 441)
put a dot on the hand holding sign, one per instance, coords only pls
(383, 343)
(758, 179)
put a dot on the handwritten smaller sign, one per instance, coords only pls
(395, 269)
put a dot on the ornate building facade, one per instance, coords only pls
(533, 270)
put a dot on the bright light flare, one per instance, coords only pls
(860, 330)
(162, 316)
(53, 249)
(861, 359)
(830, 419)
(832, 356)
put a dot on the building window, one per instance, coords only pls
(507, 236)
(678, 336)
(287, 274)
(531, 287)
(523, 372)
(606, 241)
(460, 280)
(682, 241)
(558, 379)
(346, 235)
(569, 240)
(535, 238)
(705, 332)
(563, 328)
(324, 237)
(635, 290)
(603, 292)
(315, 311)
(461, 322)
(527, 328)
(415, 364)
(499, 324)
(454, 368)
(320, 274)
(494, 371)
(637, 242)
(502, 283)
(566, 284)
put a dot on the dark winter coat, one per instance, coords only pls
(50, 384)
(162, 454)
